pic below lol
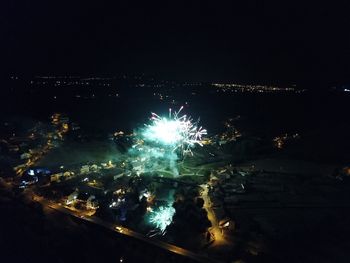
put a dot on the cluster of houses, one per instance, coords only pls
(225, 185)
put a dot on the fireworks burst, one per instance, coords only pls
(162, 217)
(174, 131)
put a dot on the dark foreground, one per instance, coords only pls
(31, 233)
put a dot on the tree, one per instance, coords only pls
(199, 202)
(206, 175)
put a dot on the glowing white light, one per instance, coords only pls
(165, 131)
(174, 131)
(162, 217)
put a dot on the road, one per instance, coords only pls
(215, 230)
(127, 232)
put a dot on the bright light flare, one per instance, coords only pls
(162, 217)
(165, 131)
(177, 132)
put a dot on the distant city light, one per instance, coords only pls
(233, 87)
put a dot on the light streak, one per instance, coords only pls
(175, 131)
(162, 217)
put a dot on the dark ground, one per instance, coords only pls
(30, 234)
(27, 234)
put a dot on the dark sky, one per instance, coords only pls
(245, 40)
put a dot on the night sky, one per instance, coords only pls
(247, 41)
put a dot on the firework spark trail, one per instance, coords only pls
(178, 132)
(162, 217)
